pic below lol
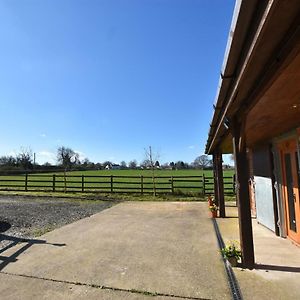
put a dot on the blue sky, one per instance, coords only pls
(109, 78)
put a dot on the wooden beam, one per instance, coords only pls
(216, 189)
(243, 197)
(220, 181)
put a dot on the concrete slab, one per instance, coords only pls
(158, 247)
(277, 271)
(31, 288)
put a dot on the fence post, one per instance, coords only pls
(203, 176)
(53, 183)
(142, 185)
(111, 184)
(26, 182)
(172, 185)
(82, 183)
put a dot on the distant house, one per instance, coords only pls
(257, 117)
(112, 167)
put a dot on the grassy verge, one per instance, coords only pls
(110, 197)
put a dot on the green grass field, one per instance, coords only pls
(139, 172)
(116, 181)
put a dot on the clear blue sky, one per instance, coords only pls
(110, 77)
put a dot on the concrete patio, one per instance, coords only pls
(133, 250)
(277, 270)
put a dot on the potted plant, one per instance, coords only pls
(213, 209)
(210, 200)
(232, 253)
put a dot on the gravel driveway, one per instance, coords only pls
(28, 217)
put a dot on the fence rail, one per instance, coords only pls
(114, 183)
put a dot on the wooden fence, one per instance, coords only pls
(113, 184)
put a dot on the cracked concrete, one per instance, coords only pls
(131, 249)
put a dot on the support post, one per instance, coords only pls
(172, 185)
(216, 190)
(220, 184)
(242, 193)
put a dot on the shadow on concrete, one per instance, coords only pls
(4, 226)
(277, 268)
(14, 241)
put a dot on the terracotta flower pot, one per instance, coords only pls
(233, 261)
(214, 214)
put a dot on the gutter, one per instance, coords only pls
(241, 13)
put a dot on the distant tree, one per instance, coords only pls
(157, 165)
(86, 162)
(146, 164)
(152, 157)
(66, 157)
(123, 164)
(8, 161)
(202, 162)
(98, 166)
(24, 158)
(91, 165)
(132, 164)
(187, 165)
(172, 165)
(47, 164)
(180, 165)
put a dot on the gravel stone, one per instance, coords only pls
(29, 217)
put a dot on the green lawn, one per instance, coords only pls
(115, 181)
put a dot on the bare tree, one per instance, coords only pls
(132, 164)
(24, 158)
(145, 164)
(172, 165)
(180, 165)
(66, 157)
(152, 157)
(123, 164)
(8, 161)
(202, 162)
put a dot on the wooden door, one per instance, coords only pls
(290, 187)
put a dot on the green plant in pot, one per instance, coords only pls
(232, 253)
